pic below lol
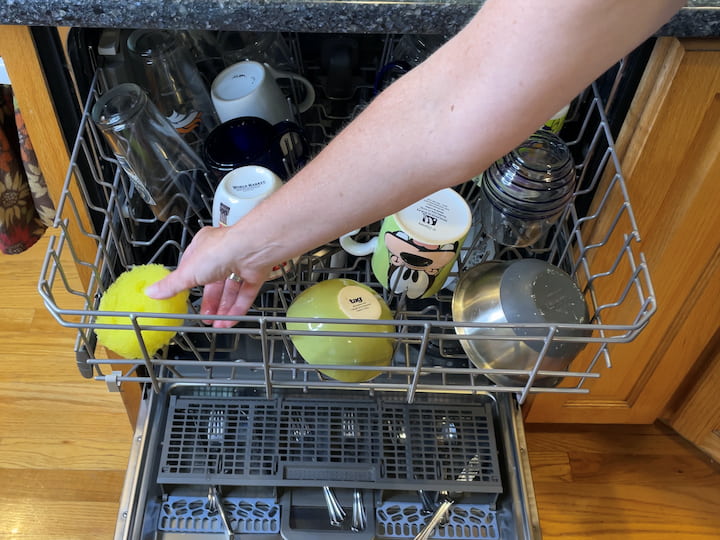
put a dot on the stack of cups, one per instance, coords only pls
(523, 194)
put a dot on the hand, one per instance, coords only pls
(209, 260)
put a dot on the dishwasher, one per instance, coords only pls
(238, 437)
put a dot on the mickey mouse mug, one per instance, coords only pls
(417, 246)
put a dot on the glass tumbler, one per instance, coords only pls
(414, 48)
(169, 175)
(264, 47)
(205, 51)
(168, 72)
(525, 192)
(510, 227)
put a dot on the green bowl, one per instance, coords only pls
(349, 300)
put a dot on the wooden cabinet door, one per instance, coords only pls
(670, 153)
(698, 415)
(32, 92)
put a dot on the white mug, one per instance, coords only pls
(249, 88)
(240, 191)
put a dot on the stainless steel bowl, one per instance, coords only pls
(520, 292)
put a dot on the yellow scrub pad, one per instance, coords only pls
(127, 293)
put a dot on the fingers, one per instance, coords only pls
(246, 296)
(212, 294)
(207, 261)
(168, 287)
(228, 298)
(238, 301)
(193, 268)
(173, 283)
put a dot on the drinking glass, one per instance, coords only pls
(525, 192)
(264, 47)
(167, 71)
(169, 175)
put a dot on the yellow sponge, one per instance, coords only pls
(127, 293)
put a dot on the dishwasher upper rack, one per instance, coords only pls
(596, 241)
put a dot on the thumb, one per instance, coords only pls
(167, 287)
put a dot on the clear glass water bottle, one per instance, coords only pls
(169, 175)
(166, 69)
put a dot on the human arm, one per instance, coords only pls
(514, 65)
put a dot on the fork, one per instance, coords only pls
(216, 438)
(359, 517)
(335, 509)
(215, 505)
(437, 519)
(216, 427)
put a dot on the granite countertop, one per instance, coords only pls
(700, 19)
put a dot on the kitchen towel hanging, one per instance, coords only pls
(26, 209)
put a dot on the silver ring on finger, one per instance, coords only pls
(234, 277)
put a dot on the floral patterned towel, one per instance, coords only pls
(26, 209)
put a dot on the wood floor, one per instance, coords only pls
(64, 445)
(64, 440)
(622, 482)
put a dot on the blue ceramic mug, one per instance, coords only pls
(282, 148)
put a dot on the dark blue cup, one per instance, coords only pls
(282, 148)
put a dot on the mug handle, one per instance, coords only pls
(309, 90)
(358, 248)
(292, 141)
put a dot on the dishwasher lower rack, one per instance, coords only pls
(597, 242)
(271, 459)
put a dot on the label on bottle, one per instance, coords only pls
(139, 186)
(185, 123)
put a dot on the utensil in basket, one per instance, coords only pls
(350, 427)
(435, 520)
(428, 505)
(215, 505)
(335, 509)
(216, 427)
(447, 432)
(359, 517)
(440, 516)
(216, 437)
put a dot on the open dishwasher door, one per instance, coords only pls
(272, 459)
(238, 435)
